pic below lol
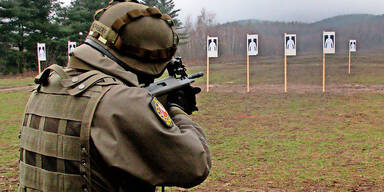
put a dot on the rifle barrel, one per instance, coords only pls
(196, 75)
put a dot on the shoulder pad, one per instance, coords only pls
(79, 84)
(42, 78)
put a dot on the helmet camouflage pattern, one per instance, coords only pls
(141, 37)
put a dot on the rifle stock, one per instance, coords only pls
(171, 84)
(177, 79)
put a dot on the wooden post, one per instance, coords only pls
(323, 72)
(285, 74)
(39, 65)
(349, 63)
(207, 68)
(207, 74)
(67, 52)
(248, 89)
(38, 60)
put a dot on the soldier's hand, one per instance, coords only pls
(185, 99)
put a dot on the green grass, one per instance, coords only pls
(292, 142)
(305, 70)
(14, 82)
(11, 111)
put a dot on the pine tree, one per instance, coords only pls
(151, 3)
(22, 24)
(79, 17)
(168, 7)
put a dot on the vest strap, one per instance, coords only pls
(78, 79)
(87, 84)
(85, 167)
(42, 78)
(51, 144)
(43, 180)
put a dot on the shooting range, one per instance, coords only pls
(352, 49)
(71, 47)
(289, 50)
(252, 50)
(212, 52)
(41, 55)
(329, 47)
(281, 108)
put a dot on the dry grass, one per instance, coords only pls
(267, 140)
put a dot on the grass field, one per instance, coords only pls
(267, 140)
(11, 110)
(298, 142)
(7, 83)
(303, 70)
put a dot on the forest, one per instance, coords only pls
(23, 23)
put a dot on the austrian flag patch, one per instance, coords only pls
(161, 112)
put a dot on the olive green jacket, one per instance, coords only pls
(133, 145)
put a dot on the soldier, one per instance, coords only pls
(91, 127)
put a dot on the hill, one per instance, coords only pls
(367, 29)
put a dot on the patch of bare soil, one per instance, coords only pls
(18, 76)
(13, 89)
(344, 89)
(8, 183)
(364, 185)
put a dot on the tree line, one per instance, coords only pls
(366, 29)
(23, 23)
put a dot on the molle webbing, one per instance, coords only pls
(110, 35)
(137, 14)
(42, 78)
(155, 55)
(55, 132)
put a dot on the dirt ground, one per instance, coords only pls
(344, 89)
(267, 140)
(13, 89)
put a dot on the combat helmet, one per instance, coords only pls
(137, 37)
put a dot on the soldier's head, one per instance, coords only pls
(141, 38)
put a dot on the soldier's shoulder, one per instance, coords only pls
(127, 92)
(122, 94)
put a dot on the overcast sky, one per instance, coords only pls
(278, 10)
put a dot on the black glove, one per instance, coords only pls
(185, 99)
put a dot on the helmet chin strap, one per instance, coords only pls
(143, 78)
(104, 51)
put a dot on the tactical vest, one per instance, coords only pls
(55, 133)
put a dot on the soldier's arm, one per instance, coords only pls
(184, 123)
(131, 136)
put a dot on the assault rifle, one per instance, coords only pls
(177, 79)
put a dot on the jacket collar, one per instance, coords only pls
(86, 58)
